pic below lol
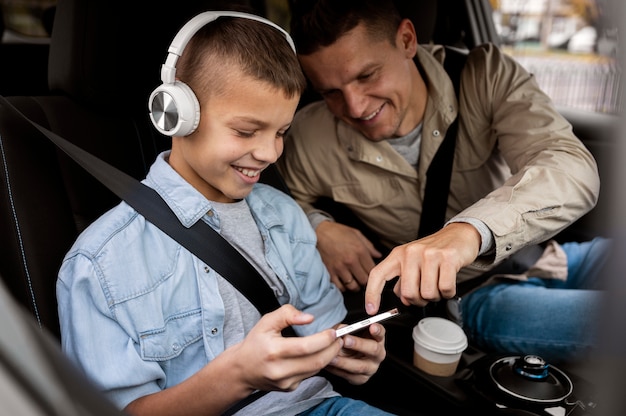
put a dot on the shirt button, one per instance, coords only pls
(436, 133)
(213, 331)
(206, 269)
(508, 247)
(175, 347)
(210, 213)
(379, 158)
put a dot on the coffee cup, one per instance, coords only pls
(437, 346)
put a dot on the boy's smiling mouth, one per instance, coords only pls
(251, 173)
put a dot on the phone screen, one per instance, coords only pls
(367, 322)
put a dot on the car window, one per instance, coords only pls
(26, 21)
(569, 45)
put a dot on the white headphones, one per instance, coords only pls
(174, 108)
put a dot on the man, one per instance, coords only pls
(519, 177)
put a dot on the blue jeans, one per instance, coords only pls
(554, 319)
(343, 406)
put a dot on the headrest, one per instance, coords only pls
(423, 14)
(105, 54)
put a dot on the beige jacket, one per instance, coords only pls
(518, 167)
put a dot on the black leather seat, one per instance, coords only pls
(104, 61)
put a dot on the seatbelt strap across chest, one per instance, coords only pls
(439, 172)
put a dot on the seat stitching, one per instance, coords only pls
(18, 231)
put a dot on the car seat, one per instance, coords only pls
(104, 61)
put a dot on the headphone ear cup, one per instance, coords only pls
(174, 109)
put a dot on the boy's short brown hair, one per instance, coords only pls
(231, 43)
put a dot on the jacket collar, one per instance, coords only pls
(187, 203)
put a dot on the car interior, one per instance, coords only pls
(100, 66)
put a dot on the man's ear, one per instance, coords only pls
(406, 39)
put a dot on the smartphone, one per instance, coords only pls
(367, 322)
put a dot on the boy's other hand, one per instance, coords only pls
(360, 357)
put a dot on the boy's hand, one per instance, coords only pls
(360, 357)
(268, 361)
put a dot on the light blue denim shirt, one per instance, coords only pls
(139, 313)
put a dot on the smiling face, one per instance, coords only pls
(369, 83)
(240, 134)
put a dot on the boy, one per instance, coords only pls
(160, 331)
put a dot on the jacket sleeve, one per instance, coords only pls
(92, 338)
(554, 177)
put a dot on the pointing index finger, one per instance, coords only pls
(380, 274)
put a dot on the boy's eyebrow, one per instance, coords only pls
(251, 120)
(260, 123)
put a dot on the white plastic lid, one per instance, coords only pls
(440, 335)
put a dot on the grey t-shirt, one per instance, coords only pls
(239, 228)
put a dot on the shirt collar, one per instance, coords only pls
(442, 104)
(187, 203)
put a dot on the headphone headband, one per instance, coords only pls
(174, 108)
(168, 70)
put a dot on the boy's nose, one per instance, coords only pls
(269, 149)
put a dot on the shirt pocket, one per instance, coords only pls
(171, 339)
(367, 194)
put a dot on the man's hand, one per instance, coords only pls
(347, 254)
(427, 267)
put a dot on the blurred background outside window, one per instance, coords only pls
(569, 45)
(26, 20)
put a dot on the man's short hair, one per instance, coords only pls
(319, 23)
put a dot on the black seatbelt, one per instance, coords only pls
(200, 239)
(438, 178)
(440, 170)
